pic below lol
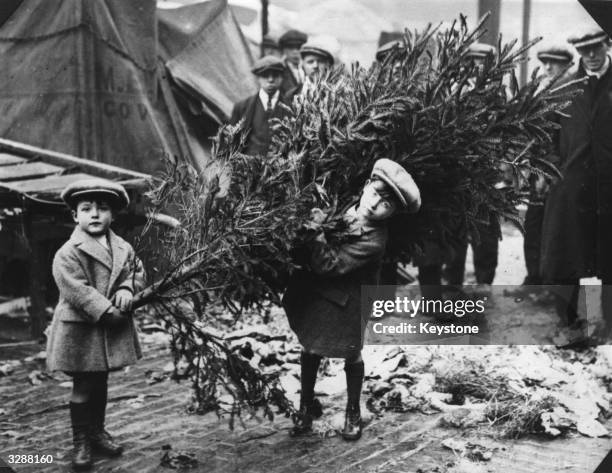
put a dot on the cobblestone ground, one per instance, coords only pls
(146, 417)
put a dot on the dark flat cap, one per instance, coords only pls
(269, 42)
(588, 37)
(386, 48)
(292, 38)
(266, 64)
(481, 50)
(93, 187)
(317, 50)
(555, 52)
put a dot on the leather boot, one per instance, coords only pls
(81, 456)
(352, 423)
(354, 382)
(101, 440)
(103, 443)
(310, 407)
(302, 422)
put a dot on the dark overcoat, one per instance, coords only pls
(247, 109)
(577, 227)
(323, 304)
(289, 80)
(87, 276)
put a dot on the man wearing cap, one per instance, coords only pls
(486, 244)
(386, 49)
(259, 109)
(269, 46)
(290, 44)
(316, 60)
(577, 228)
(555, 59)
(437, 261)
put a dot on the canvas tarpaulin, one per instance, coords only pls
(207, 55)
(82, 77)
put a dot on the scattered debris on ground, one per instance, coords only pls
(177, 460)
(522, 389)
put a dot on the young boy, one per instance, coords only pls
(323, 302)
(258, 110)
(92, 332)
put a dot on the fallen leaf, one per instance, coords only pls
(455, 445)
(37, 377)
(591, 428)
(12, 434)
(177, 459)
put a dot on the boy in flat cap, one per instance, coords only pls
(316, 60)
(259, 109)
(290, 43)
(323, 300)
(92, 332)
(577, 227)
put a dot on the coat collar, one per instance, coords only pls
(89, 245)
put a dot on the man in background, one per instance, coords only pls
(258, 110)
(555, 60)
(577, 228)
(290, 44)
(316, 60)
(269, 46)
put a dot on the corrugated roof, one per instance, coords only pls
(40, 174)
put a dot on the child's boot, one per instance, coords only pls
(101, 440)
(354, 381)
(79, 416)
(310, 408)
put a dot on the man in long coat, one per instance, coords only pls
(555, 59)
(259, 109)
(577, 229)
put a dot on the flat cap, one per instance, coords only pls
(96, 187)
(555, 52)
(400, 181)
(292, 38)
(269, 42)
(318, 47)
(386, 48)
(266, 64)
(587, 37)
(480, 50)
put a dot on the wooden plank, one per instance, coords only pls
(7, 159)
(27, 170)
(44, 185)
(107, 171)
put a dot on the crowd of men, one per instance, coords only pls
(568, 224)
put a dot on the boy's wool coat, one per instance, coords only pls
(323, 304)
(87, 276)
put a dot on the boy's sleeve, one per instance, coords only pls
(329, 261)
(133, 275)
(75, 288)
